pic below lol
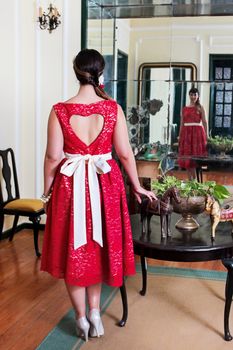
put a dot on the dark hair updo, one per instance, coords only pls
(194, 90)
(88, 66)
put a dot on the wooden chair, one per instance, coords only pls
(10, 201)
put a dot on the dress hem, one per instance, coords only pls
(111, 283)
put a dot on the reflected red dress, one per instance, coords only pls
(192, 138)
(90, 263)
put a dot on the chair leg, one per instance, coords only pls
(36, 222)
(16, 218)
(1, 224)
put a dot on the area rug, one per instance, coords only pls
(183, 309)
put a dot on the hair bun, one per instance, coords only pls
(88, 67)
(93, 80)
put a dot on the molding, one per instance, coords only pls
(65, 50)
(225, 27)
(17, 65)
(106, 30)
(37, 127)
(152, 29)
(201, 58)
(199, 41)
(220, 43)
(214, 27)
(137, 48)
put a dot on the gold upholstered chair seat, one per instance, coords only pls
(27, 204)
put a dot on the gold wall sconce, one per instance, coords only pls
(50, 20)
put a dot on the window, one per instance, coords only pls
(221, 100)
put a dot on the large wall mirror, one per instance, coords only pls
(142, 41)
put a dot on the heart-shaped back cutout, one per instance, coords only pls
(87, 128)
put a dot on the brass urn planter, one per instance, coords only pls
(192, 198)
(188, 207)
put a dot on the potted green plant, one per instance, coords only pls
(193, 196)
(220, 144)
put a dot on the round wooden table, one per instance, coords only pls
(187, 247)
(213, 162)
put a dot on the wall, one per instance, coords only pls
(108, 36)
(182, 39)
(35, 73)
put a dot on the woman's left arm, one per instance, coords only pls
(203, 119)
(124, 151)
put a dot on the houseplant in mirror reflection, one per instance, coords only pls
(138, 118)
(220, 144)
(193, 197)
(150, 151)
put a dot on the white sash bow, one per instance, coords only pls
(75, 166)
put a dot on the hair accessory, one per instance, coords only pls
(101, 81)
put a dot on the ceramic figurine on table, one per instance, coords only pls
(162, 207)
(217, 214)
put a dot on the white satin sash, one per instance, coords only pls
(75, 166)
(192, 124)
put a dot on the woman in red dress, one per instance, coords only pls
(193, 134)
(88, 238)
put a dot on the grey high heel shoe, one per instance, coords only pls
(96, 325)
(82, 327)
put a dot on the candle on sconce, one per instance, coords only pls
(50, 19)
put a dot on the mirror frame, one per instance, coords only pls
(142, 66)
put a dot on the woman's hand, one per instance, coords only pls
(45, 199)
(140, 191)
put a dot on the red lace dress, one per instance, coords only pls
(90, 263)
(192, 138)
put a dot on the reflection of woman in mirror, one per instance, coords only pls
(193, 133)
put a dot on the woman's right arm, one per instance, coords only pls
(181, 125)
(54, 151)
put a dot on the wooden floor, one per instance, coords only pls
(32, 302)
